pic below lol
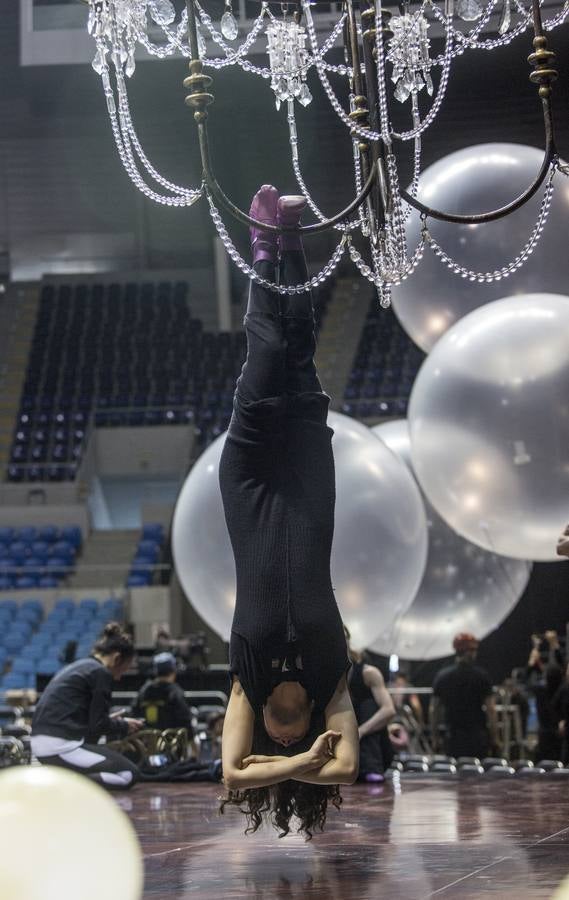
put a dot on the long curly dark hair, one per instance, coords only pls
(278, 803)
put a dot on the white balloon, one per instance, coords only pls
(474, 180)
(380, 538)
(464, 588)
(64, 838)
(489, 422)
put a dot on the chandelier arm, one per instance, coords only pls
(237, 213)
(542, 61)
(495, 214)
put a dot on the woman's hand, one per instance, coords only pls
(134, 725)
(322, 750)
(257, 758)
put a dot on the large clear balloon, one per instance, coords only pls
(476, 180)
(464, 588)
(84, 846)
(489, 421)
(380, 540)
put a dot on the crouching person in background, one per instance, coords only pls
(74, 712)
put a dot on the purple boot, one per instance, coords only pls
(289, 211)
(264, 208)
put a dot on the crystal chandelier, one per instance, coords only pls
(387, 60)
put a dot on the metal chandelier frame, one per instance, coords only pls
(373, 153)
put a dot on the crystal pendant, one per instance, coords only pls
(506, 18)
(429, 83)
(468, 10)
(130, 64)
(201, 43)
(162, 11)
(401, 92)
(229, 27)
(304, 96)
(100, 62)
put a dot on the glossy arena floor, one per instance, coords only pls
(464, 839)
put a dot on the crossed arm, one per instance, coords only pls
(316, 766)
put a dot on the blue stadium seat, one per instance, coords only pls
(139, 579)
(48, 581)
(49, 665)
(16, 681)
(26, 582)
(90, 604)
(72, 534)
(64, 604)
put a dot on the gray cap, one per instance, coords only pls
(164, 663)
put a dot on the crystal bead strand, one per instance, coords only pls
(248, 270)
(520, 259)
(233, 56)
(367, 272)
(396, 244)
(384, 123)
(124, 110)
(459, 36)
(293, 139)
(367, 133)
(443, 83)
(359, 185)
(123, 145)
(414, 186)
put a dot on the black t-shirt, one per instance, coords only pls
(163, 705)
(278, 489)
(463, 687)
(75, 705)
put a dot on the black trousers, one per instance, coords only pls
(100, 764)
(280, 339)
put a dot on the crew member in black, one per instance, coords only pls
(73, 713)
(466, 694)
(288, 654)
(374, 710)
(161, 702)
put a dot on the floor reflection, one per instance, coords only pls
(445, 838)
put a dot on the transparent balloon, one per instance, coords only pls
(489, 423)
(83, 844)
(478, 179)
(380, 539)
(464, 588)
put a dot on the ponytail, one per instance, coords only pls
(114, 639)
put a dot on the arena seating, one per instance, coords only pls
(119, 354)
(30, 644)
(384, 369)
(33, 557)
(147, 555)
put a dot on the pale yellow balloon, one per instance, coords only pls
(64, 838)
(562, 892)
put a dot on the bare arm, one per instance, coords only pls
(373, 679)
(340, 717)
(237, 740)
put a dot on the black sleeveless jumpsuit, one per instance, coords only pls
(278, 489)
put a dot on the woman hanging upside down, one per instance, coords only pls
(290, 736)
